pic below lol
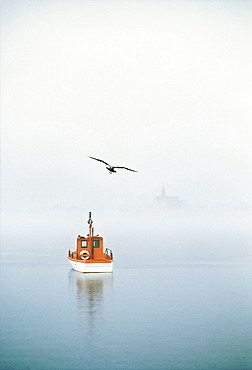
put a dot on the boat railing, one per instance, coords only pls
(109, 252)
(73, 254)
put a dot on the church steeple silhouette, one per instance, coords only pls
(163, 195)
(167, 202)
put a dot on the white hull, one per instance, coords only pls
(91, 266)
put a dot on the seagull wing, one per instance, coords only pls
(126, 169)
(100, 160)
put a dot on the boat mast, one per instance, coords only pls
(90, 222)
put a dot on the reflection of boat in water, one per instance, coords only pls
(89, 255)
(90, 290)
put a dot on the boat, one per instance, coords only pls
(89, 255)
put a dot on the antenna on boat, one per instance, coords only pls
(90, 222)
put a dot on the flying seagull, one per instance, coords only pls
(110, 168)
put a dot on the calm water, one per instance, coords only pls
(149, 314)
(188, 316)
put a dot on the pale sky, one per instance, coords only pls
(163, 87)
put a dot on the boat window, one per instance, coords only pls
(84, 244)
(96, 243)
